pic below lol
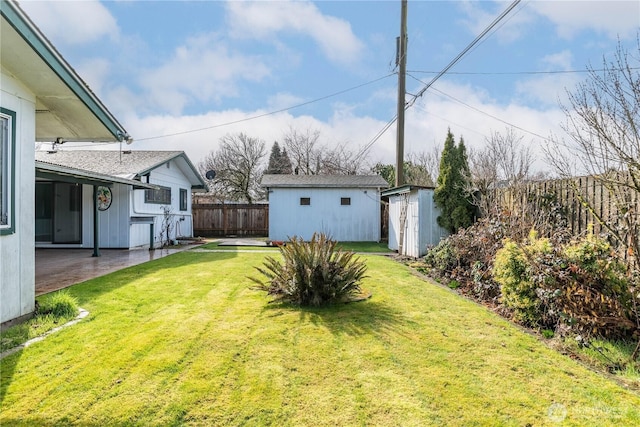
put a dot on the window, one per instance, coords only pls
(183, 199)
(305, 201)
(7, 180)
(345, 201)
(161, 196)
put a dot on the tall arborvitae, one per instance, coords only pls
(451, 194)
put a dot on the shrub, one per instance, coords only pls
(597, 295)
(59, 304)
(517, 269)
(312, 273)
(467, 257)
(582, 286)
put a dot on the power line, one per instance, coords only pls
(507, 73)
(483, 112)
(246, 119)
(440, 74)
(463, 53)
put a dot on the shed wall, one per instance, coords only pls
(357, 222)
(421, 225)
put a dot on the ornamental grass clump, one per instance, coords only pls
(312, 273)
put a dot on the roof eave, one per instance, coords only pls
(90, 178)
(30, 33)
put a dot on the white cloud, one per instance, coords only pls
(426, 126)
(283, 100)
(261, 20)
(96, 72)
(72, 22)
(549, 89)
(477, 19)
(613, 18)
(203, 68)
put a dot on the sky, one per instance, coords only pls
(179, 75)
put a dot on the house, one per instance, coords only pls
(345, 207)
(145, 199)
(413, 224)
(41, 99)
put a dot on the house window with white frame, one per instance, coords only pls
(160, 195)
(7, 144)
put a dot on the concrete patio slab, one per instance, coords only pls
(61, 268)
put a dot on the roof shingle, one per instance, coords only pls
(349, 181)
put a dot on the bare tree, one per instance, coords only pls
(426, 165)
(504, 160)
(603, 131)
(304, 150)
(310, 157)
(238, 167)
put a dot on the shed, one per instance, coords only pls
(345, 207)
(41, 99)
(413, 220)
(145, 198)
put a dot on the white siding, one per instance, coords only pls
(113, 224)
(359, 221)
(180, 221)
(17, 253)
(421, 225)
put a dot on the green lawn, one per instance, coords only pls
(184, 340)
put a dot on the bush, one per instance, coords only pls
(467, 257)
(59, 304)
(313, 273)
(581, 286)
(517, 269)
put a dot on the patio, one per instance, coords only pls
(61, 268)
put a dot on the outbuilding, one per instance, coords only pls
(344, 207)
(413, 220)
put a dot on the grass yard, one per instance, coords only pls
(184, 340)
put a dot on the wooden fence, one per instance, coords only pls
(217, 219)
(581, 204)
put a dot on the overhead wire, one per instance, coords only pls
(441, 73)
(481, 111)
(515, 73)
(257, 116)
(463, 53)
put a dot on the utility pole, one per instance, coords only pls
(402, 71)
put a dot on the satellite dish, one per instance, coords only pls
(210, 174)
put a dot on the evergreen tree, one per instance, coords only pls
(285, 163)
(279, 162)
(451, 193)
(274, 159)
